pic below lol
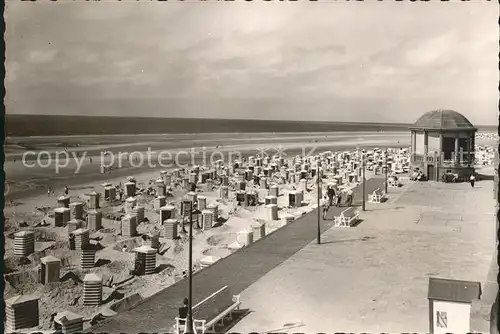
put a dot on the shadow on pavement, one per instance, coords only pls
(359, 221)
(482, 177)
(347, 240)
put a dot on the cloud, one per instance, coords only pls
(42, 56)
(275, 57)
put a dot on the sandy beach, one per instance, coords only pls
(31, 206)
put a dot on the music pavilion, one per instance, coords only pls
(442, 141)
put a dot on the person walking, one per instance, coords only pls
(338, 198)
(331, 194)
(66, 190)
(72, 240)
(49, 190)
(472, 180)
(324, 206)
(349, 198)
(53, 324)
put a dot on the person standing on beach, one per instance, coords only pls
(66, 190)
(472, 180)
(49, 190)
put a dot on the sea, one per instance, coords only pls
(56, 125)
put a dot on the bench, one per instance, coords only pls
(347, 218)
(377, 196)
(210, 311)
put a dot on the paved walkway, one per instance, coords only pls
(374, 277)
(239, 271)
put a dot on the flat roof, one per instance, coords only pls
(20, 299)
(453, 290)
(144, 249)
(24, 233)
(80, 231)
(67, 316)
(49, 259)
(92, 277)
(61, 209)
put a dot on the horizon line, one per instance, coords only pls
(216, 118)
(231, 119)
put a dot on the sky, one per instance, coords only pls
(332, 61)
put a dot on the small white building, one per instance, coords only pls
(450, 305)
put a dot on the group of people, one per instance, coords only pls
(51, 191)
(417, 175)
(449, 177)
(334, 196)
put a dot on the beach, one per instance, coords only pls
(30, 206)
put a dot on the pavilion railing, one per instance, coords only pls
(437, 160)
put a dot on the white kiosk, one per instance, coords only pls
(450, 305)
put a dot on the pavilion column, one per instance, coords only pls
(456, 152)
(472, 147)
(441, 140)
(413, 144)
(412, 141)
(465, 156)
(426, 145)
(469, 150)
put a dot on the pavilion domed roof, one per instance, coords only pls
(443, 120)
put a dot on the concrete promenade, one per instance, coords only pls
(239, 271)
(374, 277)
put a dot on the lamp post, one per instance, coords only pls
(189, 329)
(318, 237)
(364, 180)
(386, 170)
(186, 208)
